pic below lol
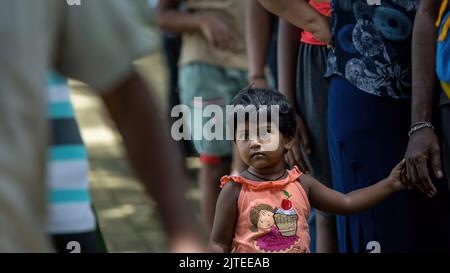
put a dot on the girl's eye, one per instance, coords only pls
(265, 135)
(243, 136)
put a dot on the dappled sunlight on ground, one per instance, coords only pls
(128, 219)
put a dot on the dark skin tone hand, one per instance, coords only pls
(132, 109)
(288, 41)
(423, 147)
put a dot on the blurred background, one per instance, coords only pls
(127, 218)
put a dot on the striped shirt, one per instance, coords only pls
(68, 167)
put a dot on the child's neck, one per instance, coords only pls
(270, 173)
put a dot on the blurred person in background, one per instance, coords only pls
(171, 43)
(96, 43)
(213, 66)
(71, 216)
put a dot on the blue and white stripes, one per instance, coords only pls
(68, 167)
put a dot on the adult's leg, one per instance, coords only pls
(212, 169)
(312, 103)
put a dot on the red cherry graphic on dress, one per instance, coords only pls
(286, 204)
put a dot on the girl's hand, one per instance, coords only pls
(398, 178)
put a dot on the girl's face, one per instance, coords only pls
(262, 149)
(265, 220)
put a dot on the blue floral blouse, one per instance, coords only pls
(372, 45)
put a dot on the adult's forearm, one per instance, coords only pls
(288, 41)
(259, 29)
(423, 65)
(172, 20)
(297, 12)
(154, 158)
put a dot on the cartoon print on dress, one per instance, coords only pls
(279, 227)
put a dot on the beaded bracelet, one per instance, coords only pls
(419, 126)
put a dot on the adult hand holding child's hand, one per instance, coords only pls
(398, 177)
(423, 149)
(400, 180)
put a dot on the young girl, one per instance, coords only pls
(266, 208)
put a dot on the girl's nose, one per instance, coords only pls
(255, 143)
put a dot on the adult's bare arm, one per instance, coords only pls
(423, 146)
(154, 158)
(259, 24)
(302, 15)
(218, 32)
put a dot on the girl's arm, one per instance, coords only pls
(328, 200)
(224, 219)
(302, 15)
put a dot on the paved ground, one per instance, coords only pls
(127, 217)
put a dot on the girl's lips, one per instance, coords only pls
(257, 154)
